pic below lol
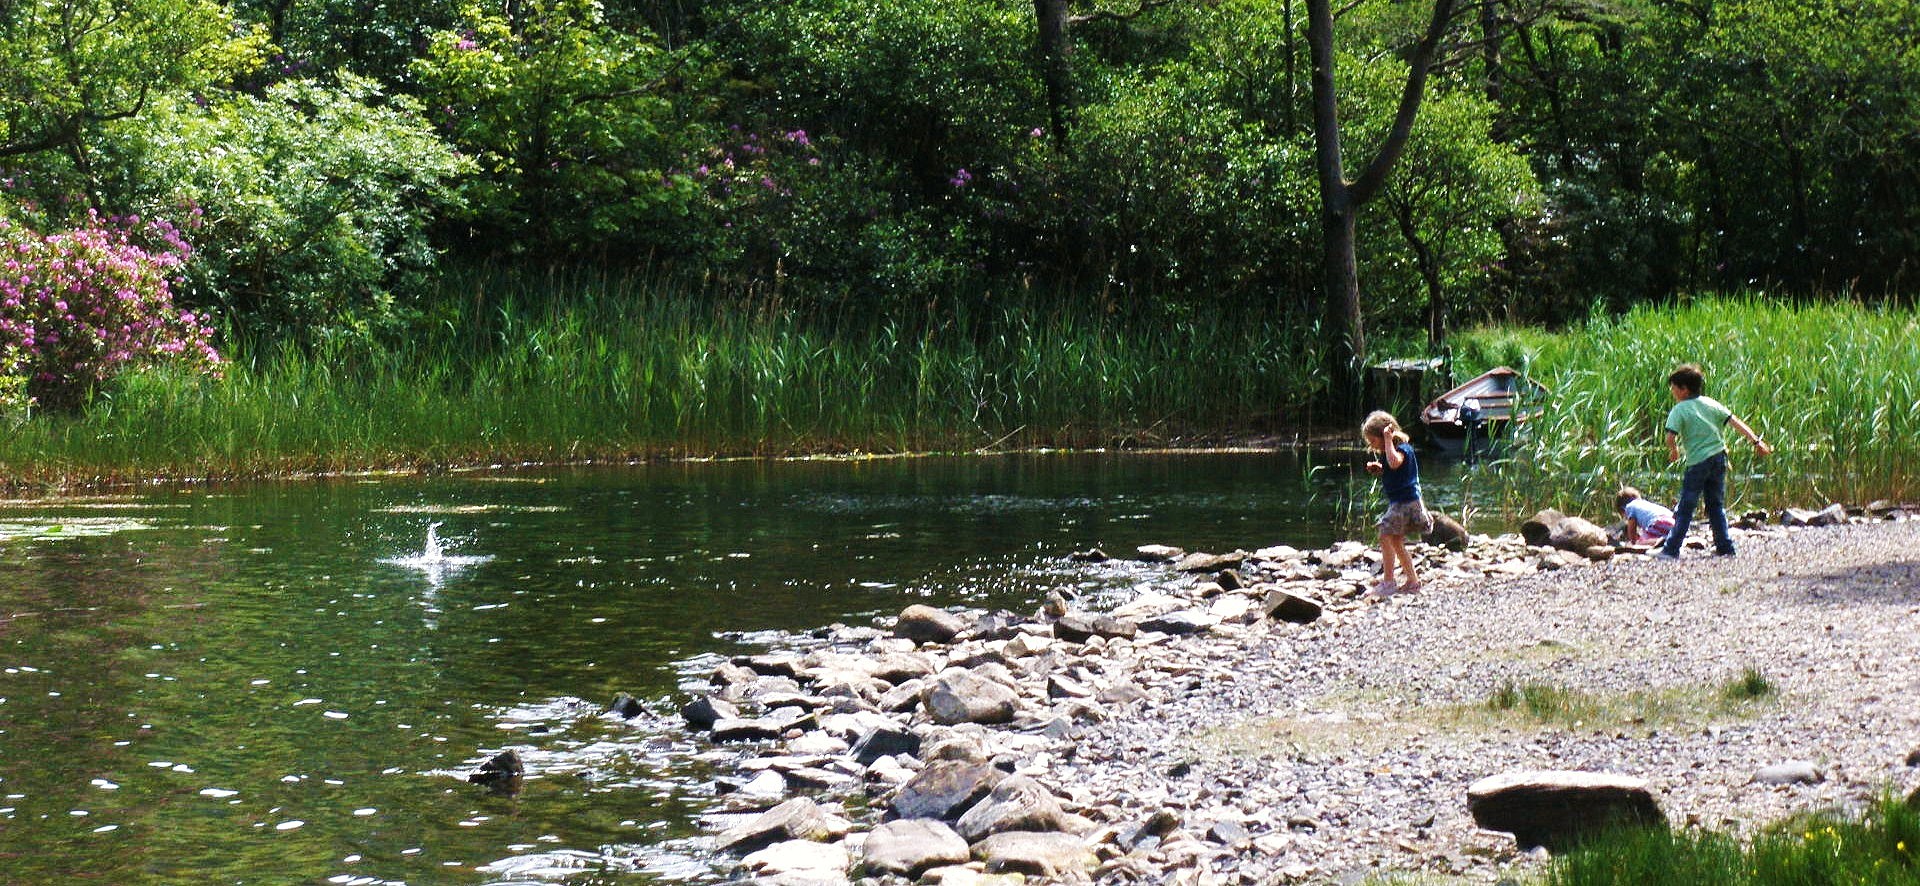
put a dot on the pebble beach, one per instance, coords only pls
(1253, 718)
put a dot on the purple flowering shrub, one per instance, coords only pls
(787, 204)
(748, 182)
(80, 306)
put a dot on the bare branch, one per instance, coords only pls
(1375, 175)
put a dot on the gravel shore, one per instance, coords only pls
(1344, 747)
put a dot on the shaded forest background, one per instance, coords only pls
(328, 160)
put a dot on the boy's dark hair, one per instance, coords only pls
(1688, 378)
(1626, 495)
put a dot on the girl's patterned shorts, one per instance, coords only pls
(1406, 518)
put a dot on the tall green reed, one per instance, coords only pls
(1834, 386)
(524, 366)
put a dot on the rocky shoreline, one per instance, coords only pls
(1254, 719)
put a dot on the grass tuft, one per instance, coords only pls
(1750, 685)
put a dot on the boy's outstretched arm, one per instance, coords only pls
(1759, 445)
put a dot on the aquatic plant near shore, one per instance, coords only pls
(520, 367)
(1835, 387)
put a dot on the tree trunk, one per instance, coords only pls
(1429, 264)
(1290, 113)
(1050, 47)
(1343, 332)
(1340, 199)
(1490, 57)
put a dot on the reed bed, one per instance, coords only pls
(1835, 387)
(508, 367)
(1876, 846)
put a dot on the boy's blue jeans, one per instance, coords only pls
(1707, 480)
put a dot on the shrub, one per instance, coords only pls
(317, 198)
(78, 307)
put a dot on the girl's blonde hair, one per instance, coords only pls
(1383, 424)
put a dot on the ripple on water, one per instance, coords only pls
(663, 861)
(471, 509)
(71, 527)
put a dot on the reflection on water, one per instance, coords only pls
(286, 682)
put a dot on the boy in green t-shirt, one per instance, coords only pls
(1693, 428)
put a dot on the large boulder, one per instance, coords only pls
(1285, 606)
(1552, 528)
(910, 846)
(1556, 809)
(801, 860)
(1017, 803)
(945, 789)
(1447, 532)
(1047, 855)
(703, 712)
(959, 696)
(796, 819)
(1079, 628)
(925, 624)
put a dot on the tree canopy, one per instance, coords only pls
(325, 158)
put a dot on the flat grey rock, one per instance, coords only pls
(1790, 772)
(1035, 854)
(910, 846)
(945, 789)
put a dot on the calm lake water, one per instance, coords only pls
(240, 685)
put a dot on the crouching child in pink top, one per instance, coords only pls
(1647, 523)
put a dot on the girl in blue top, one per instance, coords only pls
(1399, 475)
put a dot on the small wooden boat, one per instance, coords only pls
(1483, 408)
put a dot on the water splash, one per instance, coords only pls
(434, 560)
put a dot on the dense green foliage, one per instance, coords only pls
(1830, 385)
(1566, 153)
(1876, 846)
(918, 159)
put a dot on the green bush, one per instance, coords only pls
(573, 127)
(309, 206)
